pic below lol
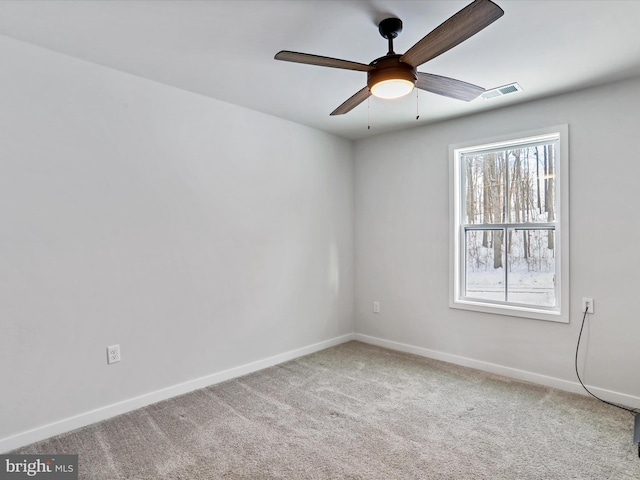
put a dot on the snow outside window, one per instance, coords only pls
(509, 218)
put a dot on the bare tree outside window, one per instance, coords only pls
(509, 224)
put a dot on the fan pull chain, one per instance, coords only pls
(369, 113)
(417, 106)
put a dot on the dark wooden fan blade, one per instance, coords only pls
(449, 87)
(309, 59)
(464, 24)
(352, 102)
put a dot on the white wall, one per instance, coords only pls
(402, 245)
(198, 235)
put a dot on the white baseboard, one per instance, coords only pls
(569, 386)
(109, 411)
(103, 413)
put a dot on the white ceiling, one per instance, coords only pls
(224, 49)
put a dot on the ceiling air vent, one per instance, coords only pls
(500, 91)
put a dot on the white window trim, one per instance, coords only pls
(561, 313)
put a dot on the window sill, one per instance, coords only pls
(512, 311)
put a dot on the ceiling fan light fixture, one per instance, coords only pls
(391, 78)
(392, 88)
(394, 76)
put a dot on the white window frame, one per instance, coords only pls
(559, 313)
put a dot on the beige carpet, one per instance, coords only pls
(361, 412)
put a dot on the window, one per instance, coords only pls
(509, 224)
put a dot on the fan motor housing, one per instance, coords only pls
(390, 67)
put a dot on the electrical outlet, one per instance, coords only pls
(113, 354)
(376, 307)
(587, 305)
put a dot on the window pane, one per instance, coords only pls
(531, 267)
(485, 257)
(531, 184)
(485, 192)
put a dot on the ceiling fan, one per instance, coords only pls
(393, 75)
